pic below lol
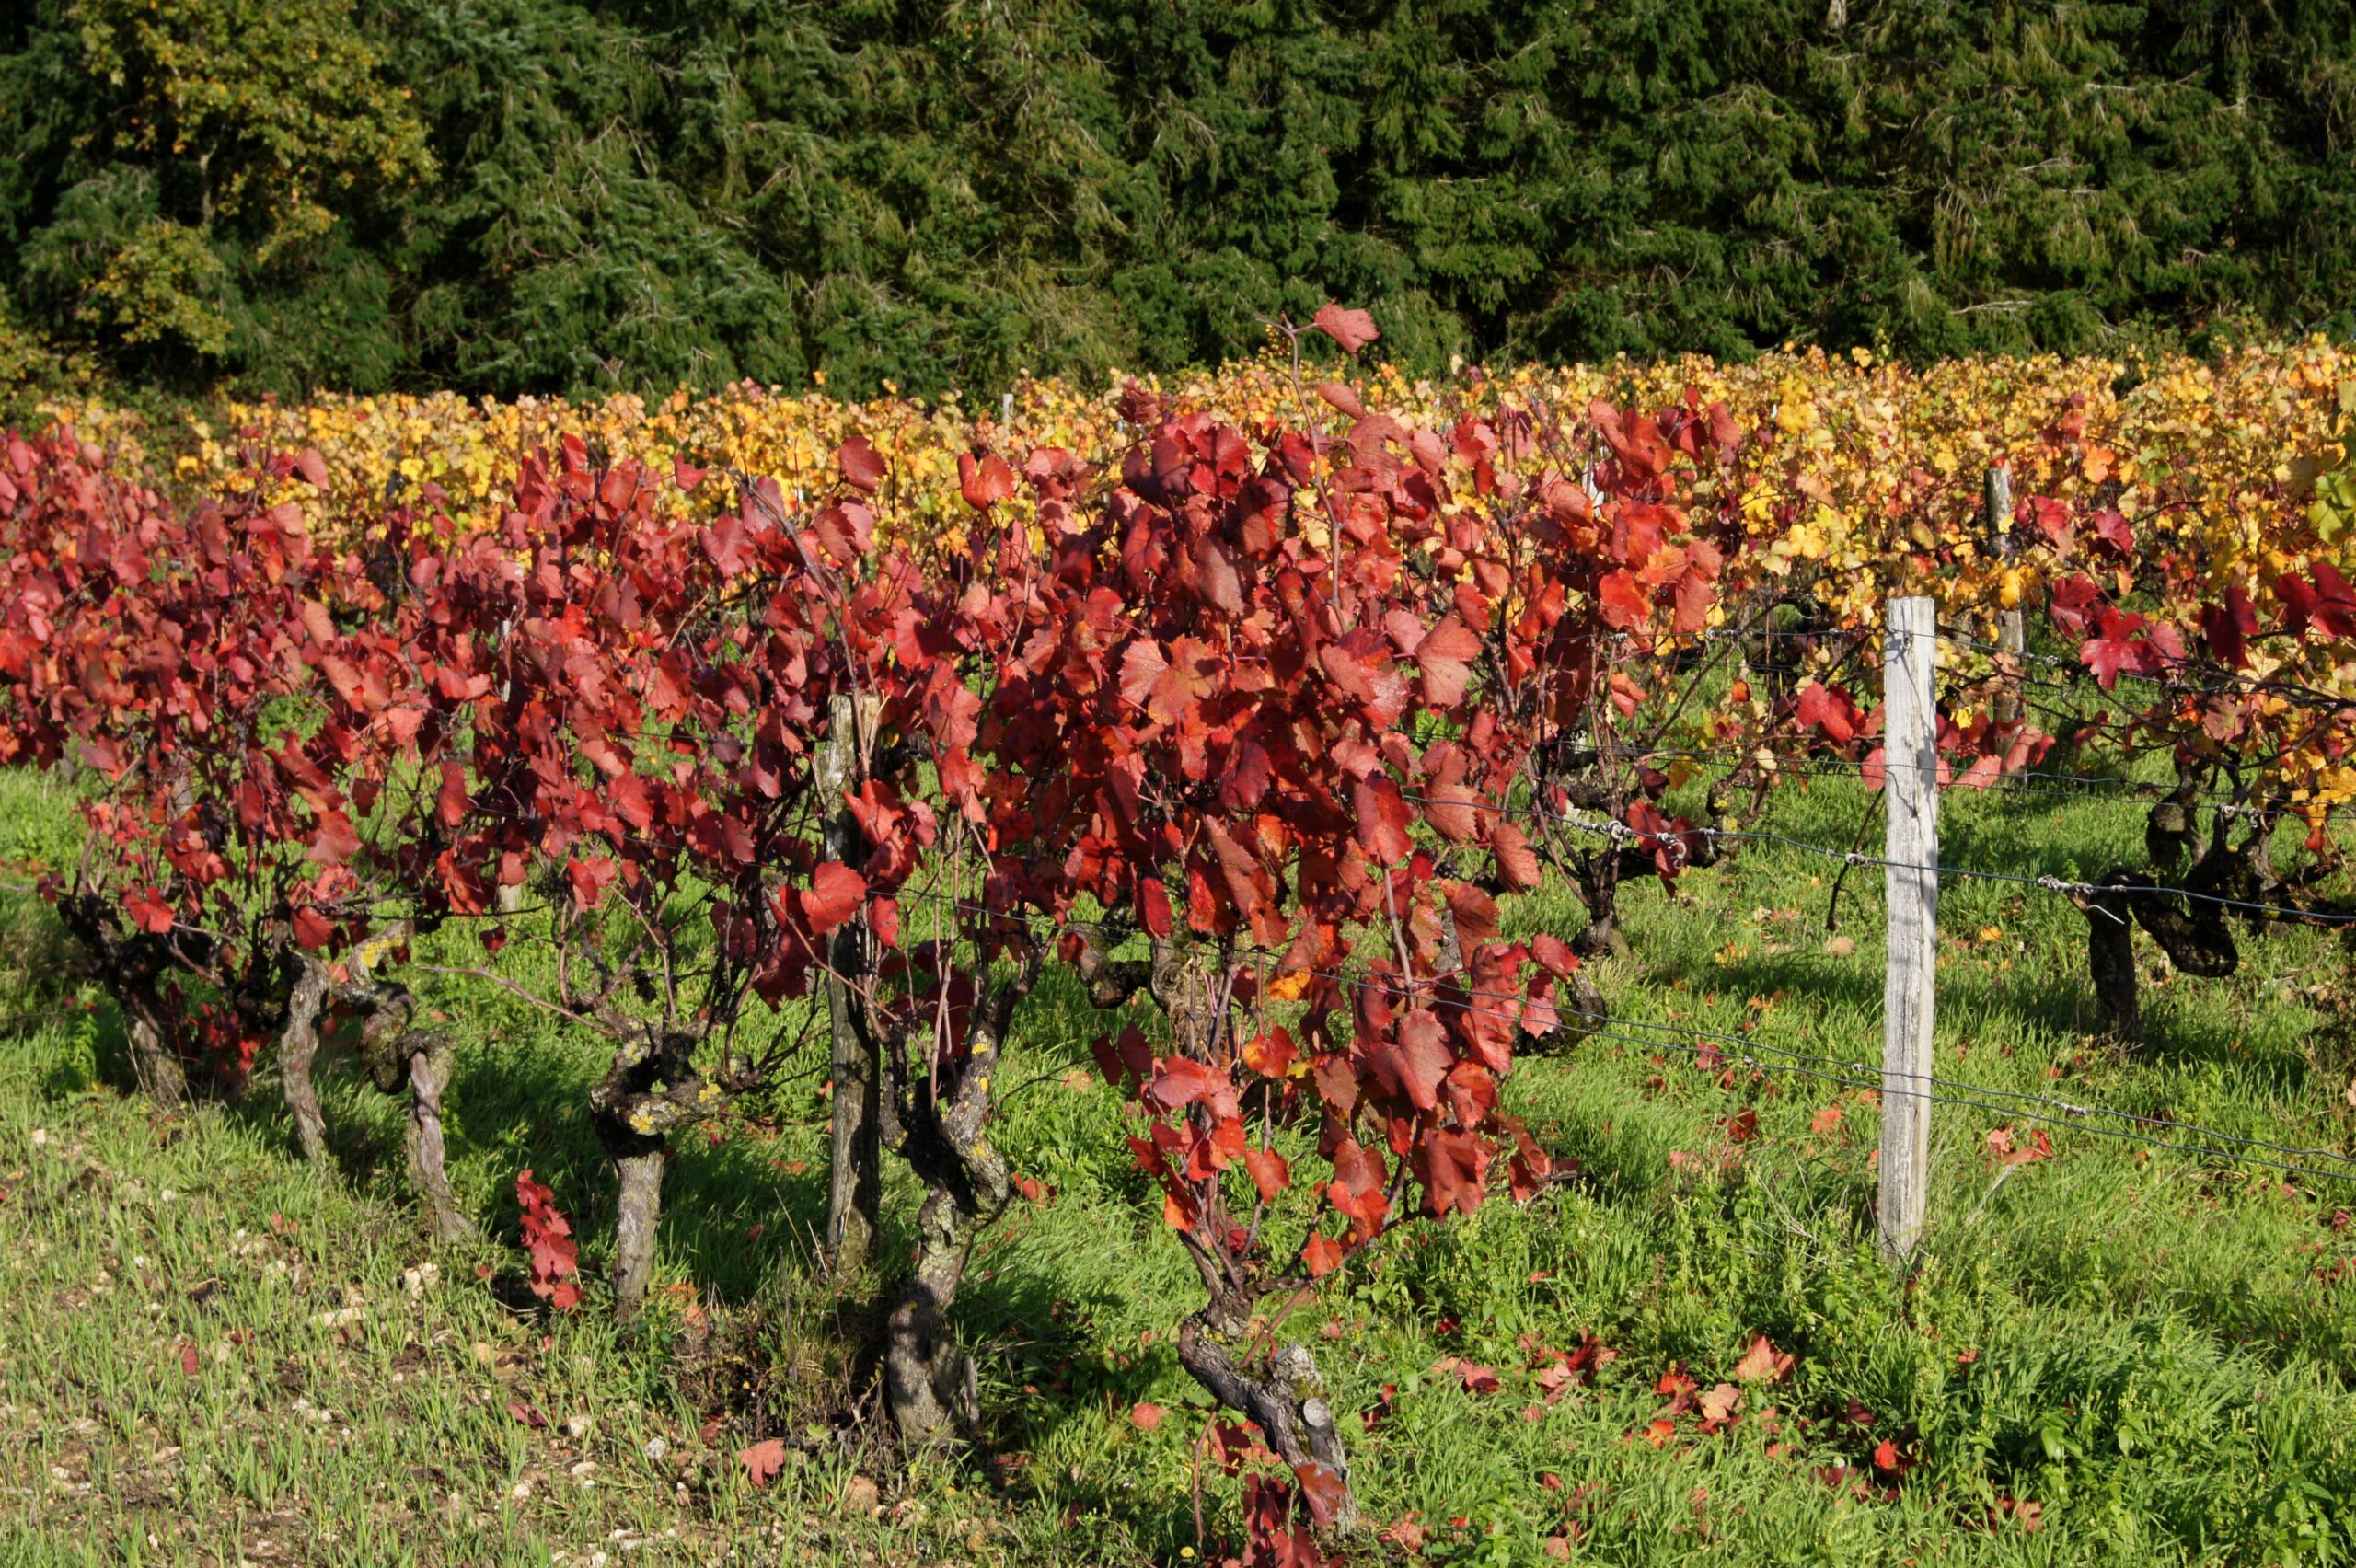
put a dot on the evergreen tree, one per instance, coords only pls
(511, 195)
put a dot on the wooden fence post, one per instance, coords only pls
(1997, 515)
(1909, 738)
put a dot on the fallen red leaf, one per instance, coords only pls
(762, 1460)
(1762, 1362)
(1476, 1378)
(2029, 1517)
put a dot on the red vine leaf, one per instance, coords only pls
(1354, 329)
(859, 464)
(833, 896)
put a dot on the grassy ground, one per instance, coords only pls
(210, 1352)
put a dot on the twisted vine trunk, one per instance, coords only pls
(129, 966)
(929, 1383)
(1285, 1397)
(1599, 889)
(928, 1380)
(2111, 963)
(855, 1172)
(162, 1075)
(640, 1156)
(638, 1214)
(1582, 1010)
(1597, 875)
(417, 1060)
(429, 1075)
(2192, 932)
(298, 1047)
(651, 1090)
(1286, 1401)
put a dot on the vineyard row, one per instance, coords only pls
(1246, 716)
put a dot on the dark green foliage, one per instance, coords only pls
(940, 193)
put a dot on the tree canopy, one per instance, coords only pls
(518, 195)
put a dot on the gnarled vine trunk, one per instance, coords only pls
(855, 1170)
(639, 1157)
(130, 965)
(940, 1122)
(650, 1092)
(1285, 1396)
(1582, 1010)
(162, 1075)
(2195, 940)
(429, 1075)
(2111, 963)
(398, 1057)
(2191, 931)
(639, 1168)
(298, 1047)
(1286, 1400)
(1599, 889)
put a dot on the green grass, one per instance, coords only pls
(2143, 1345)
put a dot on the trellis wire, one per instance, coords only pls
(1621, 832)
(1747, 1051)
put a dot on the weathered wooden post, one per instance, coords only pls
(1909, 738)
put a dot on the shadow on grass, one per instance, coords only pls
(2052, 1006)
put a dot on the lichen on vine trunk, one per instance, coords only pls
(1286, 1401)
(939, 1120)
(638, 1212)
(298, 1047)
(649, 1092)
(429, 1075)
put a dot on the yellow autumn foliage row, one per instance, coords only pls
(1859, 474)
